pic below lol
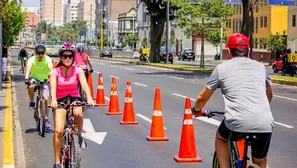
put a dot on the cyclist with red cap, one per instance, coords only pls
(245, 86)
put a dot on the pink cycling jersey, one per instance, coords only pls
(67, 85)
(81, 60)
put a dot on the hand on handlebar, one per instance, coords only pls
(54, 104)
(91, 71)
(198, 113)
(91, 102)
(27, 81)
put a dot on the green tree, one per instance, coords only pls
(131, 39)
(274, 43)
(157, 11)
(47, 28)
(80, 27)
(201, 16)
(144, 42)
(67, 33)
(13, 20)
(214, 37)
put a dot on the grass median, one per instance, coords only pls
(284, 80)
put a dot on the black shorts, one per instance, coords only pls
(65, 99)
(259, 146)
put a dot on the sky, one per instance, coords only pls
(31, 3)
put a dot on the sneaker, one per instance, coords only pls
(47, 124)
(31, 106)
(82, 143)
(57, 166)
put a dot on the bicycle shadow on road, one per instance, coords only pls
(2, 108)
(34, 130)
(185, 75)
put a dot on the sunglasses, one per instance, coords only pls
(65, 56)
(40, 53)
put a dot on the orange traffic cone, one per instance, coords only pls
(187, 149)
(128, 116)
(157, 126)
(100, 99)
(114, 108)
(90, 83)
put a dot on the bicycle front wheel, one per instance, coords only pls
(215, 161)
(41, 118)
(75, 152)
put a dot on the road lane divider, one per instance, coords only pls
(100, 100)
(146, 119)
(113, 76)
(175, 77)
(113, 66)
(179, 95)
(146, 72)
(284, 125)
(130, 69)
(128, 113)
(283, 97)
(106, 98)
(157, 132)
(140, 84)
(114, 107)
(187, 147)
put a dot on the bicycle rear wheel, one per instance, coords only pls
(75, 152)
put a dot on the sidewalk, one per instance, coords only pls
(2, 118)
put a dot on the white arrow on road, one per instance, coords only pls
(90, 133)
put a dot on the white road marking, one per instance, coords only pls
(113, 66)
(175, 77)
(217, 123)
(128, 69)
(146, 119)
(146, 72)
(175, 94)
(101, 63)
(96, 71)
(285, 98)
(140, 84)
(106, 98)
(113, 76)
(285, 125)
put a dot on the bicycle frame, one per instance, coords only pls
(238, 153)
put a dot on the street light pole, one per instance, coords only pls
(167, 31)
(221, 46)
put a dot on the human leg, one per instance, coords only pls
(260, 147)
(31, 90)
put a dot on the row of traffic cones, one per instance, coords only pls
(187, 150)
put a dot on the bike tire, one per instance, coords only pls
(65, 162)
(75, 152)
(215, 161)
(41, 118)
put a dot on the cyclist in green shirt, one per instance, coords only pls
(38, 69)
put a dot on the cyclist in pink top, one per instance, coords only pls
(64, 80)
(82, 60)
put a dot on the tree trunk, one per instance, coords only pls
(248, 22)
(202, 47)
(156, 32)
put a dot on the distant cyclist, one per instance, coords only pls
(23, 55)
(245, 86)
(82, 60)
(64, 80)
(38, 69)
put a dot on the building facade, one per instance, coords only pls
(27, 35)
(292, 28)
(31, 9)
(127, 24)
(70, 10)
(51, 11)
(86, 11)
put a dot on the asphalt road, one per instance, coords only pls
(126, 146)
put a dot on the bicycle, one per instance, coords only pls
(71, 151)
(39, 109)
(23, 64)
(238, 149)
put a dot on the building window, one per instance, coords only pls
(257, 6)
(239, 9)
(227, 21)
(239, 27)
(261, 21)
(256, 43)
(293, 20)
(236, 25)
(230, 23)
(265, 21)
(257, 24)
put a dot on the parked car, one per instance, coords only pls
(187, 54)
(163, 55)
(106, 52)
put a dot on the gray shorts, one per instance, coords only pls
(45, 87)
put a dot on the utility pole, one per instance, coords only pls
(221, 46)
(167, 31)
(101, 30)
(1, 53)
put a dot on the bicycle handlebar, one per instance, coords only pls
(77, 104)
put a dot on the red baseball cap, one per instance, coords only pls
(238, 41)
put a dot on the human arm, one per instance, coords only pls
(50, 63)
(269, 92)
(28, 68)
(210, 87)
(89, 63)
(53, 86)
(85, 86)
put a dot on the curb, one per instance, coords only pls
(277, 81)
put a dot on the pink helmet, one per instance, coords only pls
(67, 47)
